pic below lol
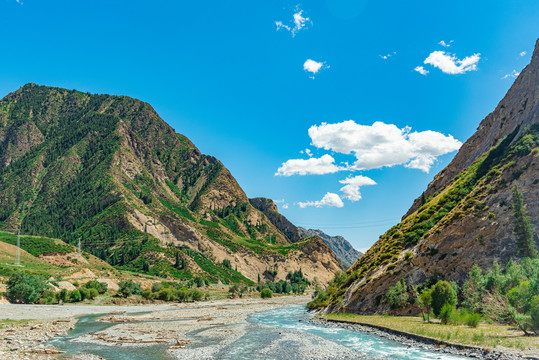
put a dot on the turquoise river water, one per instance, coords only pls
(264, 328)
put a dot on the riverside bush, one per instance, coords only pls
(75, 296)
(128, 288)
(266, 293)
(101, 287)
(442, 293)
(25, 288)
(196, 295)
(84, 293)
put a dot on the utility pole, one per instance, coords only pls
(79, 248)
(18, 256)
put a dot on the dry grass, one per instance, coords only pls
(485, 335)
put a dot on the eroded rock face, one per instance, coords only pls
(478, 226)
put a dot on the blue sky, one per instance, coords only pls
(235, 77)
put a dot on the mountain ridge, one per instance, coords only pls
(344, 251)
(109, 170)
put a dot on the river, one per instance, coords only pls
(282, 333)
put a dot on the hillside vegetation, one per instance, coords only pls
(109, 171)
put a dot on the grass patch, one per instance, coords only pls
(485, 335)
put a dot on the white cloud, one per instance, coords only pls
(285, 206)
(300, 22)
(449, 64)
(280, 26)
(312, 166)
(330, 199)
(314, 67)
(385, 57)
(444, 44)
(513, 74)
(380, 145)
(523, 53)
(421, 70)
(352, 185)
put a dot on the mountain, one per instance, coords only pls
(343, 250)
(465, 216)
(109, 171)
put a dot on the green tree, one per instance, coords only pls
(473, 290)
(75, 296)
(522, 227)
(25, 288)
(442, 293)
(266, 293)
(128, 288)
(63, 295)
(425, 300)
(397, 296)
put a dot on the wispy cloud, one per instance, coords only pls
(387, 56)
(314, 67)
(421, 70)
(330, 200)
(299, 22)
(444, 44)
(523, 53)
(513, 74)
(450, 64)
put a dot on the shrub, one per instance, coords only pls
(168, 295)
(183, 295)
(84, 293)
(266, 293)
(408, 255)
(227, 264)
(92, 293)
(75, 296)
(196, 295)
(199, 282)
(442, 293)
(24, 288)
(156, 287)
(397, 296)
(63, 295)
(48, 297)
(448, 314)
(101, 287)
(128, 288)
(473, 319)
(148, 294)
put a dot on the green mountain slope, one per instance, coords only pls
(108, 170)
(465, 216)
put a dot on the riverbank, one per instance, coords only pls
(183, 330)
(485, 342)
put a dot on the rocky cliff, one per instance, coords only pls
(465, 217)
(343, 250)
(108, 170)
